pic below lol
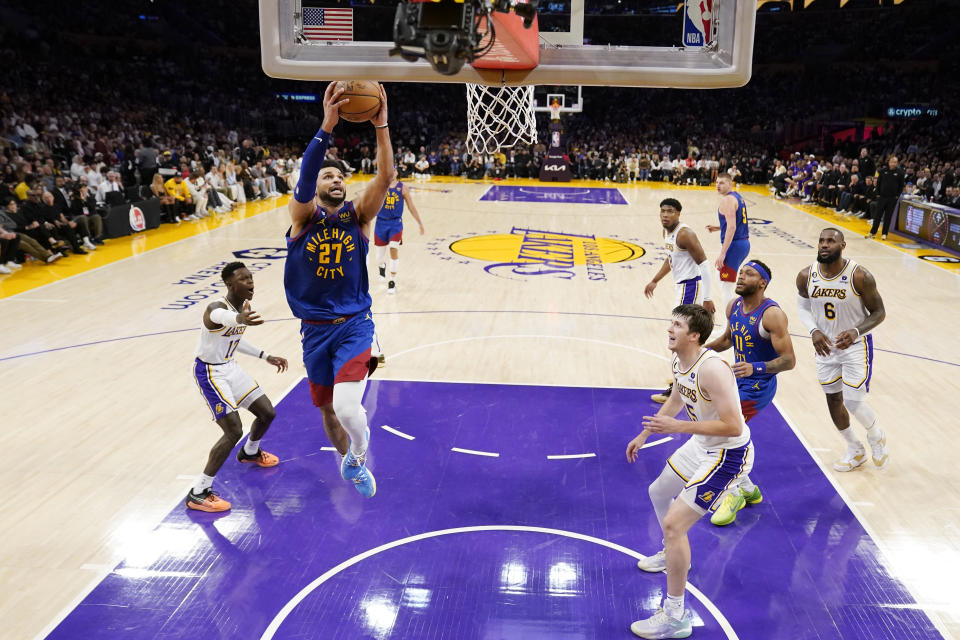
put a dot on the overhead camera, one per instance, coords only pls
(447, 33)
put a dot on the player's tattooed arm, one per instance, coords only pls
(866, 286)
(775, 322)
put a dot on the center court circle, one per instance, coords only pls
(509, 247)
(550, 578)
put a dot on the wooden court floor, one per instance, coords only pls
(104, 429)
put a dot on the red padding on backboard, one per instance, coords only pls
(515, 48)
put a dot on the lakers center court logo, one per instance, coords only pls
(538, 253)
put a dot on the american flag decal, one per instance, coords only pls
(327, 24)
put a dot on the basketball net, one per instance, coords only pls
(499, 118)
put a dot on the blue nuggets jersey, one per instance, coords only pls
(741, 230)
(392, 208)
(325, 276)
(748, 344)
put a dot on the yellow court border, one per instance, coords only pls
(34, 274)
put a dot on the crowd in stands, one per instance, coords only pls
(139, 100)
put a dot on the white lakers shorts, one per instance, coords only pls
(848, 370)
(707, 473)
(689, 292)
(225, 387)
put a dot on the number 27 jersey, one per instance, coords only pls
(325, 276)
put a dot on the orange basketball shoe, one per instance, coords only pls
(207, 500)
(261, 458)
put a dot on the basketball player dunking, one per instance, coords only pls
(687, 261)
(757, 331)
(226, 387)
(388, 230)
(713, 458)
(840, 305)
(734, 236)
(328, 288)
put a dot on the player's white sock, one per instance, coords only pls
(251, 447)
(673, 606)
(203, 483)
(394, 267)
(851, 437)
(347, 398)
(747, 484)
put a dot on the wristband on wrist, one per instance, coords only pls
(759, 367)
(262, 354)
(858, 332)
(381, 126)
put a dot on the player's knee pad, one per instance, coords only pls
(666, 487)
(394, 244)
(347, 399)
(858, 408)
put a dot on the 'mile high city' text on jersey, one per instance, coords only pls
(325, 275)
(392, 208)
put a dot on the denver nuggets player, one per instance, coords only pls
(840, 305)
(717, 454)
(225, 387)
(687, 261)
(734, 235)
(757, 331)
(327, 286)
(388, 230)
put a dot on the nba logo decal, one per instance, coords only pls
(697, 23)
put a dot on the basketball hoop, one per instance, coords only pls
(499, 117)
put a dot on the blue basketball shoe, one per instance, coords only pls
(355, 470)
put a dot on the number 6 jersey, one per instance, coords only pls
(836, 304)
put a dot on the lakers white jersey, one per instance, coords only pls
(700, 408)
(681, 264)
(218, 347)
(836, 304)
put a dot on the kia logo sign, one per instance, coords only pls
(554, 167)
(138, 222)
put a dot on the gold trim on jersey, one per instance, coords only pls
(700, 357)
(255, 387)
(723, 456)
(826, 279)
(682, 477)
(866, 365)
(204, 396)
(217, 389)
(853, 287)
(832, 381)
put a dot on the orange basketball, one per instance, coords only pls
(364, 98)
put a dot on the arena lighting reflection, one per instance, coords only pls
(563, 578)
(379, 614)
(513, 577)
